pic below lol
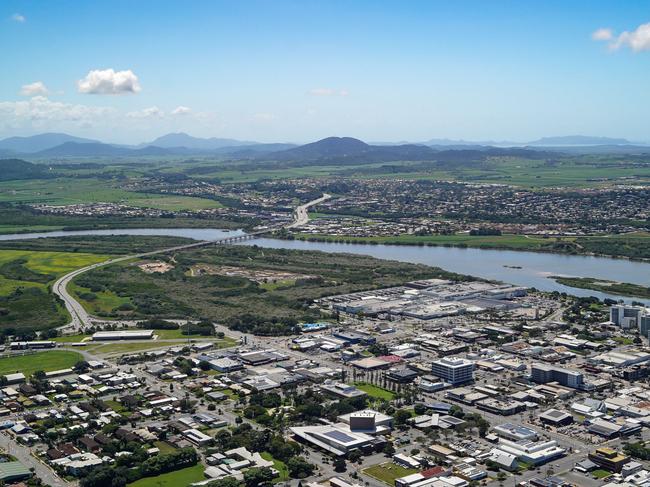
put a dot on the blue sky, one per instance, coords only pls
(302, 70)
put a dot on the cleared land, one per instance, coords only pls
(45, 361)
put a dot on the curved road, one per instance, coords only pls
(80, 316)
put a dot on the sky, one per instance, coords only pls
(297, 71)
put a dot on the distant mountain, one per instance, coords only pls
(91, 149)
(246, 151)
(184, 140)
(40, 142)
(11, 169)
(325, 148)
(578, 140)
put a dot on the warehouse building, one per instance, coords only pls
(123, 335)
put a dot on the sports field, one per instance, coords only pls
(45, 361)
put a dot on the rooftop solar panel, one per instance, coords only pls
(340, 436)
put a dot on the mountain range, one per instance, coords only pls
(59, 145)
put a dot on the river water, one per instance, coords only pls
(530, 269)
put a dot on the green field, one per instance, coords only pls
(375, 392)
(129, 347)
(388, 472)
(70, 338)
(179, 478)
(25, 279)
(45, 361)
(67, 191)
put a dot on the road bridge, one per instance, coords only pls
(80, 316)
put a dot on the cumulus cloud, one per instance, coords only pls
(151, 112)
(181, 110)
(602, 35)
(18, 18)
(638, 40)
(39, 110)
(109, 82)
(34, 89)
(328, 92)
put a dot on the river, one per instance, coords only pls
(530, 269)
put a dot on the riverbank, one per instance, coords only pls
(604, 285)
(631, 246)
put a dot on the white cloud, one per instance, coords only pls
(18, 18)
(109, 82)
(151, 112)
(39, 110)
(328, 92)
(638, 40)
(34, 89)
(181, 110)
(602, 35)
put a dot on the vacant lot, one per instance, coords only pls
(45, 361)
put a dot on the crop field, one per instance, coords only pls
(25, 277)
(66, 191)
(45, 361)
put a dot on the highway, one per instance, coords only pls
(80, 316)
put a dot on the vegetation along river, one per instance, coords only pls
(530, 269)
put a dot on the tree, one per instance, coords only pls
(299, 468)
(389, 449)
(339, 464)
(258, 477)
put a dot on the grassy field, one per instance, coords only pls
(388, 472)
(45, 361)
(375, 391)
(67, 191)
(70, 338)
(25, 279)
(179, 478)
(129, 347)
(606, 286)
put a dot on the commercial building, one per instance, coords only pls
(628, 317)
(609, 459)
(543, 374)
(123, 335)
(532, 452)
(453, 370)
(11, 472)
(337, 440)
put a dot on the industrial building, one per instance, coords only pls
(123, 335)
